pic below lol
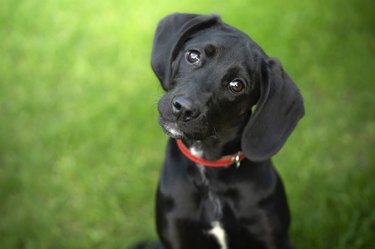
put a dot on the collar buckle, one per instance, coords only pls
(236, 159)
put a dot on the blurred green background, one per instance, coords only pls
(80, 146)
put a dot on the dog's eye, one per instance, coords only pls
(236, 85)
(193, 56)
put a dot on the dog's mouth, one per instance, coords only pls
(179, 130)
(172, 129)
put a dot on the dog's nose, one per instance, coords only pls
(183, 108)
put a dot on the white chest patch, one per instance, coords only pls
(219, 233)
(195, 151)
(217, 230)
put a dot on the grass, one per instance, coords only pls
(80, 147)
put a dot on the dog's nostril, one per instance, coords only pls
(183, 108)
(188, 115)
(176, 106)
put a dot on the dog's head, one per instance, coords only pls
(213, 75)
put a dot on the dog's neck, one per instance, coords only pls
(212, 148)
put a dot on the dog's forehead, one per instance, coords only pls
(220, 38)
(234, 49)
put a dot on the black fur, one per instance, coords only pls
(214, 75)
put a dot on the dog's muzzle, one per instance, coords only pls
(172, 129)
(184, 109)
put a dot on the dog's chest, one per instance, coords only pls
(213, 213)
(212, 205)
(219, 234)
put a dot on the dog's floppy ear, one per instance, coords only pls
(277, 112)
(170, 35)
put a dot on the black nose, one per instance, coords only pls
(183, 108)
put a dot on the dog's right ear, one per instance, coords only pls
(277, 113)
(171, 33)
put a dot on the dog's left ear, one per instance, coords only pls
(171, 33)
(277, 112)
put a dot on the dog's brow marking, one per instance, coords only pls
(218, 232)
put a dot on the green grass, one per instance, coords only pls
(80, 147)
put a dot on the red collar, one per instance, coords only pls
(224, 161)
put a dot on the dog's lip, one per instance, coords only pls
(172, 129)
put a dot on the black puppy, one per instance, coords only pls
(228, 109)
